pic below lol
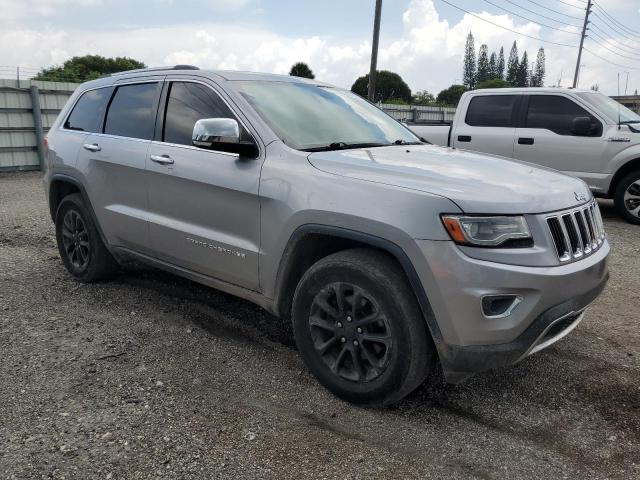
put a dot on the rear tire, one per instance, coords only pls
(627, 197)
(359, 328)
(79, 243)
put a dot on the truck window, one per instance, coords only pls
(187, 103)
(556, 113)
(132, 111)
(85, 114)
(491, 111)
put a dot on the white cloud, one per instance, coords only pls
(12, 9)
(428, 52)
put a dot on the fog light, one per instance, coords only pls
(499, 306)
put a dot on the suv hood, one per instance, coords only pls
(477, 183)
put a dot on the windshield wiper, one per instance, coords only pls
(404, 142)
(344, 146)
(629, 122)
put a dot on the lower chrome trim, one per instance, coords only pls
(541, 345)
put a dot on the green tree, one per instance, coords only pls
(484, 72)
(451, 96)
(539, 71)
(522, 74)
(493, 83)
(88, 67)
(389, 85)
(301, 69)
(493, 66)
(469, 69)
(500, 64)
(422, 97)
(513, 65)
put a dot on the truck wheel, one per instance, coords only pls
(80, 246)
(359, 328)
(627, 197)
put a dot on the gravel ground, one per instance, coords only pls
(151, 376)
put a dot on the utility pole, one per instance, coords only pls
(626, 84)
(584, 34)
(374, 52)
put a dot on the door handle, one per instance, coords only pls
(92, 147)
(162, 159)
(464, 138)
(525, 141)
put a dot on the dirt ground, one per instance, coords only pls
(151, 376)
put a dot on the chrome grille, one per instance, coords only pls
(577, 232)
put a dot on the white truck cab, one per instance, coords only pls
(580, 132)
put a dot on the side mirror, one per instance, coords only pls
(222, 134)
(581, 126)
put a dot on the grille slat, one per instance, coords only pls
(577, 232)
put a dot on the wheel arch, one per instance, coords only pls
(60, 186)
(623, 171)
(312, 242)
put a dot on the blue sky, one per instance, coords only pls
(423, 40)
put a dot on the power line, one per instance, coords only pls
(608, 35)
(530, 20)
(622, 25)
(572, 5)
(552, 10)
(543, 16)
(609, 61)
(613, 28)
(636, 59)
(613, 42)
(506, 28)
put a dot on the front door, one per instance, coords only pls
(204, 205)
(547, 137)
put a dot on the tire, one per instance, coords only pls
(389, 356)
(79, 243)
(627, 197)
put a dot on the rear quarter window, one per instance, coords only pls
(87, 111)
(491, 111)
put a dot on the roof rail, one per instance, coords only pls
(153, 69)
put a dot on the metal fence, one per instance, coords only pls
(420, 114)
(27, 111)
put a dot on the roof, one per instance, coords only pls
(230, 75)
(533, 90)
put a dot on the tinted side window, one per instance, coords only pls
(187, 103)
(85, 114)
(491, 111)
(556, 113)
(132, 112)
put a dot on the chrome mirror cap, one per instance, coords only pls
(208, 132)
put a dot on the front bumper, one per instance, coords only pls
(553, 302)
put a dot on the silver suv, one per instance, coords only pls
(385, 253)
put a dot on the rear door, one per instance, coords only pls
(489, 124)
(204, 204)
(113, 162)
(83, 121)
(547, 139)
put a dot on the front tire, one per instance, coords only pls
(360, 329)
(627, 197)
(79, 243)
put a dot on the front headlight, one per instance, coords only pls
(486, 231)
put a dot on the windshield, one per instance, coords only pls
(306, 116)
(609, 107)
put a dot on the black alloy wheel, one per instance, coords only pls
(350, 332)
